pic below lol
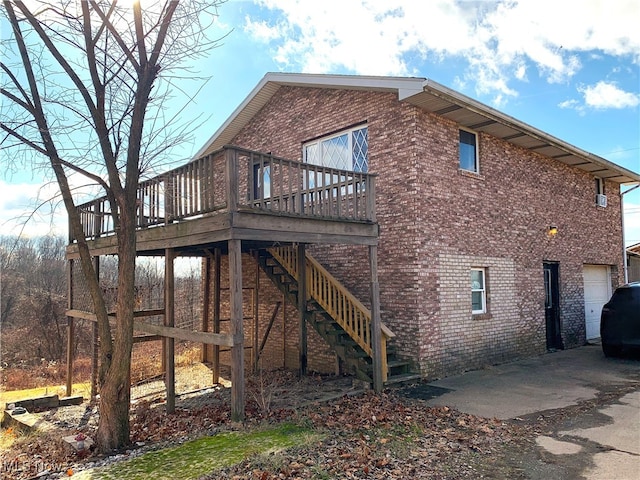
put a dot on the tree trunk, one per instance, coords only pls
(115, 391)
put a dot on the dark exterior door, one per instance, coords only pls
(551, 306)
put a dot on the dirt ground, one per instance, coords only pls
(394, 435)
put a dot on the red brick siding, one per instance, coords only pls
(281, 349)
(431, 214)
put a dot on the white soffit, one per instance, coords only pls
(476, 116)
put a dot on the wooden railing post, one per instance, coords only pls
(370, 192)
(232, 179)
(169, 198)
(97, 219)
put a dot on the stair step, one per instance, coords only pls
(359, 354)
(405, 377)
(398, 363)
(336, 332)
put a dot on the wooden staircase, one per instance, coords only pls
(338, 316)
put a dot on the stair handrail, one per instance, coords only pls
(337, 300)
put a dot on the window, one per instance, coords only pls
(261, 180)
(601, 198)
(468, 151)
(347, 150)
(478, 291)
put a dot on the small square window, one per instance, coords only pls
(468, 151)
(478, 291)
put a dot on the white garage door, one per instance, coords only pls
(597, 290)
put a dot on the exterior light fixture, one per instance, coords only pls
(553, 231)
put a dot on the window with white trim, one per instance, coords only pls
(478, 291)
(347, 150)
(469, 151)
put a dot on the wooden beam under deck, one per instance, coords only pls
(222, 339)
(252, 226)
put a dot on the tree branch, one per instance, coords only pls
(24, 140)
(162, 34)
(116, 35)
(137, 21)
(16, 83)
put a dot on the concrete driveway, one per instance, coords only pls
(605, 444)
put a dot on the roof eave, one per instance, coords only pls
(425, 94)
(470, 113)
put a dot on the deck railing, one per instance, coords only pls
(335, 299)
(233, 179)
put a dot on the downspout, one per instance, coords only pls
(625, 261)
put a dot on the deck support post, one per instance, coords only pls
(216, 313)
(169, 321)
(237, 351)
(70, 328)
(284, 331)
(206, 302)
(376, 324)
(94, 343)
(255, 354)
(302, 307)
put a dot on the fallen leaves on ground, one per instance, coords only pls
(382, 436)
(387, 436)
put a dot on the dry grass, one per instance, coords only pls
(50, 378)
(44, 374)
(146, 359)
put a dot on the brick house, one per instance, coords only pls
(469, 272)
(439, 234)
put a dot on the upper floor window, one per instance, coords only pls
(468, 151)
(601, 198)
(347, 150)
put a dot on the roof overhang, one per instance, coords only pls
(271, 82)
(432, 97)
(634, 249)
(476, 116)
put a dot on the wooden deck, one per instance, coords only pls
(227, 203)
(242, 195)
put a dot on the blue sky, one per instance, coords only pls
(570, 68)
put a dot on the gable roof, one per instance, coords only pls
(431, 97)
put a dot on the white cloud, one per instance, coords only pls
(608, 95)
(31, 209)
(35, 209)
(260, 30)
(499, 40)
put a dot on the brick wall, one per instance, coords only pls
(436, 221)
(281, 349)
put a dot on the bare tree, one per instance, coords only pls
(86, 94)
